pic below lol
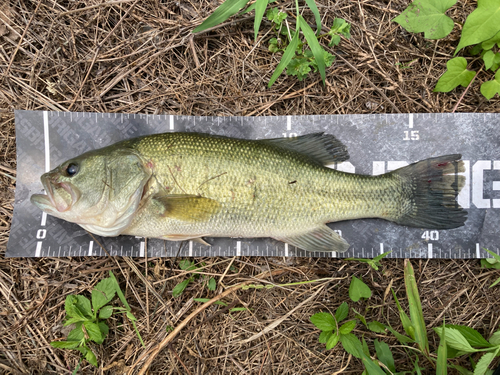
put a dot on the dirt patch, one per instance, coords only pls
(140, 57)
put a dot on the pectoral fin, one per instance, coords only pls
(191, 208)
(319, 239)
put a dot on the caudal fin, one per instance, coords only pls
(431, 189)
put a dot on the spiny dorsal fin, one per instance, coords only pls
(320, 239)
(324, 148)
(187, 207)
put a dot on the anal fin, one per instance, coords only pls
(319, 239)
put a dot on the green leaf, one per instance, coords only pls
(286, 58)
(366, 350)
(65, 344)
(358, 289)
(71, 307)
(489, 89)
(103, 293)
(74, 321)
(236, 309)
(334, 41)
(416, 314)
(260, 8)
(490, 263)
(105, 312)
(347, 327)
(332, 341)
(495, 338)
(103, 327)
(352, 345)
(76, 334)
(99, 299)
(472, 336)
(222, 13)
(212, 284)
(119, 291)
(204, 300)
(299, 67)
(312, 5)
(488, 44)
(179, 288)
(316, 49)
(187, 265)
(488, 59)
(376, 327)
(427, 16)
(131, 316)
(342, 312)
(371, 366)
(456, 340)
(384, 354)
(91, 358)
(94, 332)
(324, 336)
(405, 320)
(276, 16)
(324, 321)
(402, 338)
(442, 354)
(482, 24)
(83, 305)
(484, 362)
(359, 316)
(456, 74)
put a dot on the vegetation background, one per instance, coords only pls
(141, 57)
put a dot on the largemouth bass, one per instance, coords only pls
(184, 186)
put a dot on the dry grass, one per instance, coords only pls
(139, 56)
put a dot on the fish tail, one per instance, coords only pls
(430, 189)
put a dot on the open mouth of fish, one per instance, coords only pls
(60, 197)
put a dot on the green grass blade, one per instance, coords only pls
(260, 8)
(312, 5)
(316, 49)
(222, 13)
(442, 355)
(416, 315)
(286, 58)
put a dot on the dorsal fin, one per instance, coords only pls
(323, 148)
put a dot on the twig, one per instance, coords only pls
(466, 89)
(195, 56)
(111, 3)
(179, 359)
(154, 352)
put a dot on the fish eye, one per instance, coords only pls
(72, 169)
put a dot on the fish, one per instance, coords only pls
(186, 186)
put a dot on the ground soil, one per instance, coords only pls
(140, 57)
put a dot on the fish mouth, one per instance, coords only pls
(60, 197)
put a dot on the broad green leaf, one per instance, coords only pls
(103, 293)
(286, 58)
(222, 13)
(352, 345)
(212, 284)
(334, 41)
(65, 344)
(376, 327)
(260, 8)
(416, 314)
(332, 341)
(316, 49)
(366, 350)
(427, 16)
(99, 299)
(324, 336)
(495, 338)
(179, 288)
(488, 59)
(312, 5)
(340, 27)
(74, 321)
(484, 362)
(405, 320)
(103, 327)
(342, 312)
(94, 332)
(482, 24)
(91, 358)
(491, 42)
(105, 312)
(489, 89)
(76, 334)
(472, 336)
(83, 305)
(490, 263)
(456, 74)
(456, 340)
(358, 289)
(276, 16)
(371, 366)
(324, 321)
(347, 327)
(384, 355)
(299, 67)
(442, 354)
(204, 300)
(72, 310)
(119, 291)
